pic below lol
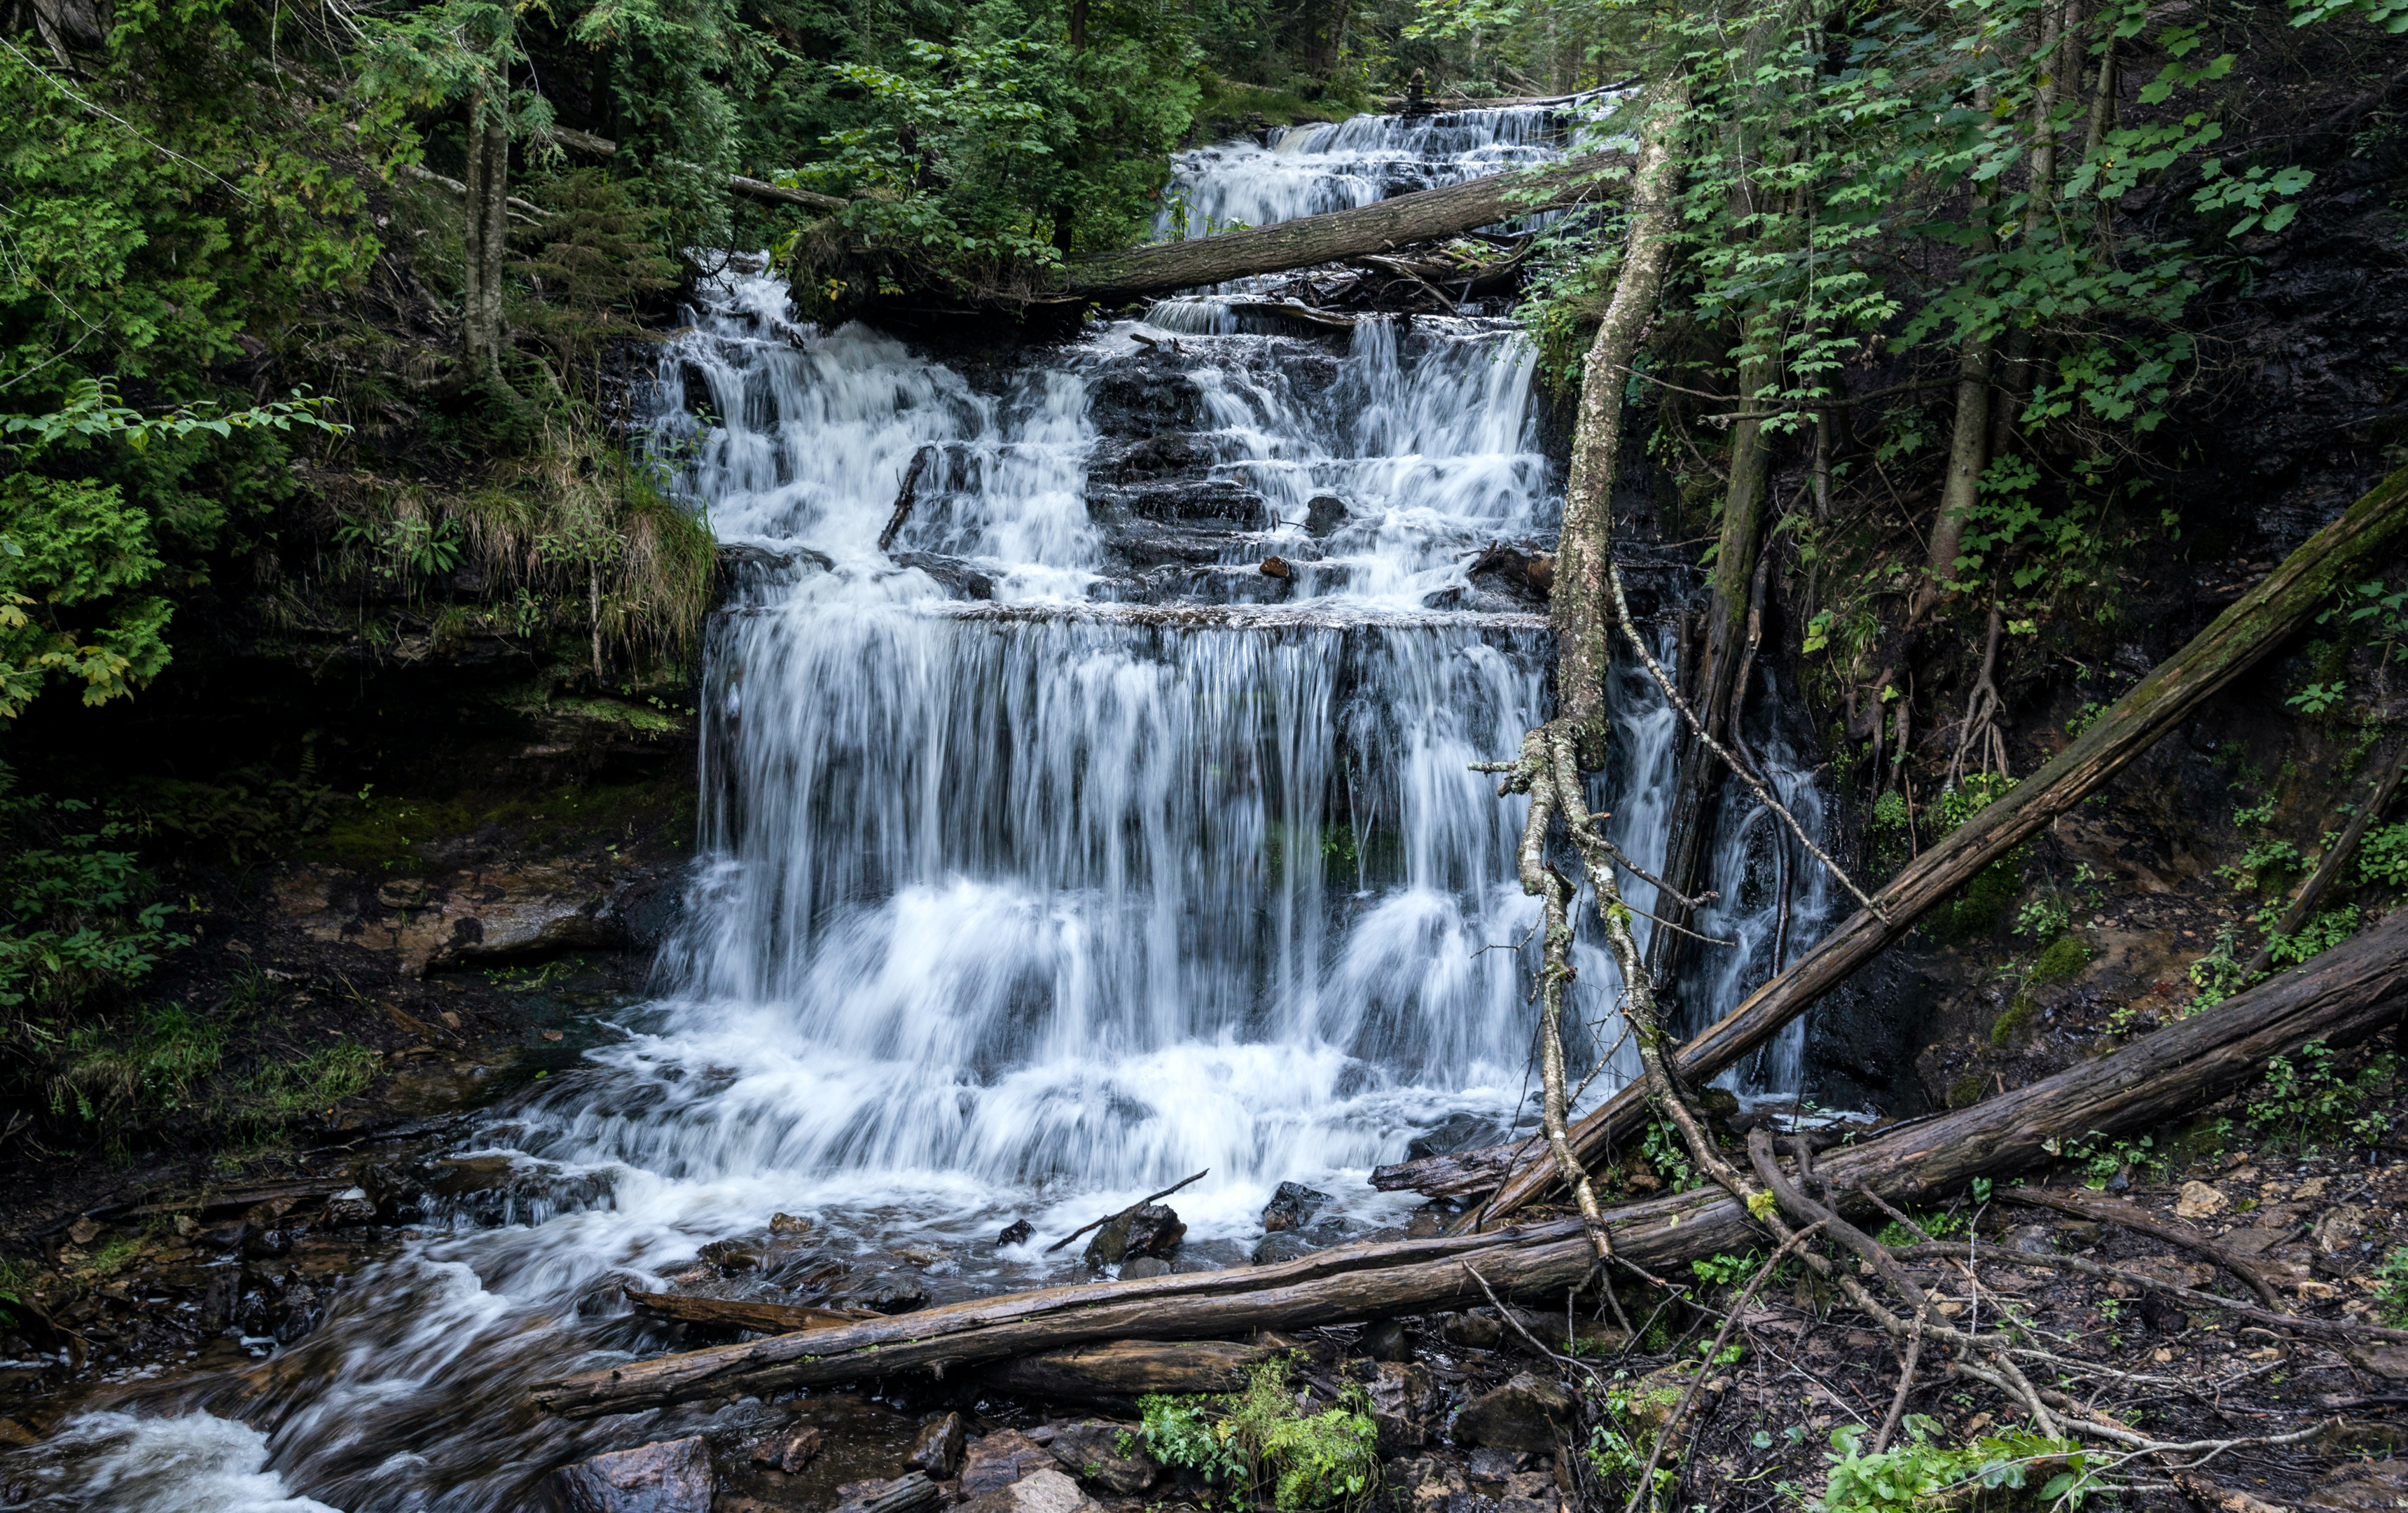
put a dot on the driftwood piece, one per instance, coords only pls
(1477, 1170)
(1125, 1212)
(2140, 1221)
(912, 1493)
(2243, 634)
(1124, 1370)
(764, 1317)
(906, 497)
(1339, 235)
(2351, 992)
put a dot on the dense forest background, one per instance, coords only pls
(322, 535)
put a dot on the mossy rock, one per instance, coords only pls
(2066, 956)
(2018, 1017)
(1967, 1090)
(1978, 908)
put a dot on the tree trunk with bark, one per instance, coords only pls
(1580, 601)
(487, 240)
(2239, 638)
(1163, 266)
(2348, 994)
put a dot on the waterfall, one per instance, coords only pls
(1058, 853)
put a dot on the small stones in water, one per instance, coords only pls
(1152, 1230)
(790, 1452)
(939, 1449)
(789, 1224)
(1292, 1206)
(1019, 1231)
(671, 1476)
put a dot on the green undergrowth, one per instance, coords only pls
(382, 833)
(1922, 1471)
(1257, 1442)
(167, 1064)
(1226, 104)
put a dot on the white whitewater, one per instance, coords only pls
(1022, 907)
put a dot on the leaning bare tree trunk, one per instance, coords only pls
(2349, 993)
(1580, 601)
(2243, 634)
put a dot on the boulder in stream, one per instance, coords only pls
(789, 1451)
(1522, 1414)
(1041, 1492)
(1292, 1206)
(891, 1293)
(1149, 1229)
(1019, 1231)
(1106, 1455)
(671, 1476)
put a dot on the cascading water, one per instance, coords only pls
(1052, 855)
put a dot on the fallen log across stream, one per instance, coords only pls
(2255, 625)
(2348, 994)
(1338, 235)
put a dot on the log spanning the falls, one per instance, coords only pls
(2255, 624)
(2345, 995)
(1366, 230)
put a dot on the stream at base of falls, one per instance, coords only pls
(1063, 850)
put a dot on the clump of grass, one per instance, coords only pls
(280, 1092)
(156, 1068)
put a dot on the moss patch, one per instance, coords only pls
(379, 834)
(2019, 1016)
(1978, 908)
(1966, 1091)
(2066, 955)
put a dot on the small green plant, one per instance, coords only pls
(152, 1066)
(1255, 1439)
(1618, 1445)
(2390, 1289)
(2329, 928)
(1727, 1271)
(2317, 697)
(2264, 862)
(2083, 719)
(2104, 1159)
(2065, 955)
(2306, 1099)
(1915, 1473)
(1939, 1226)
(1663, 1150)
(15, 1277)
(2219, 973)
(2383, 855)
(2042, 920)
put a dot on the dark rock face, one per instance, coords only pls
(1323, 515)
(998, 1459)
(1292, 1206)
(958, 577)
(730, 1256)
(671, 1476)
(1387, 1341)
(1094, 1453)
(1457, 1131)
(891, 1293)
(939, 1449)
(1019, 1231)
(1144, 1266)
(1522, 1414)
(1154, 1230)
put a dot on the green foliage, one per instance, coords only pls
(287, 1090)
(2383, 854)
(1918, 1470)
(1663, 1149)
(2263, 863)
(1257, 1441)
(2391, 1288)
(2327, 930)
(2043, 919)
(2307, 1100)
(2219, 972)
(76, 919)
(2018, 1017)
(2103, 1159)
(1727, 1271)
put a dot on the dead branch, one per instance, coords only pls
(1125, 1212)
(2345, 850)
(2140, 1221)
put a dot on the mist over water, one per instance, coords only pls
(1029, 903)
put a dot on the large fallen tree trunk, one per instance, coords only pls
(1123, 1370)
(1163, 266)
(2243, 634)
(2348, 994)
